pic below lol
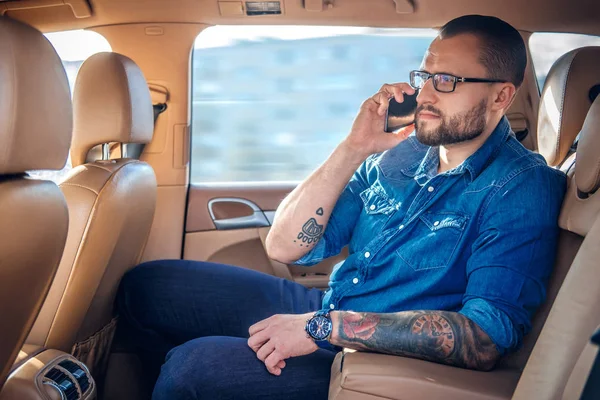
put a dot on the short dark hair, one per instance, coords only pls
(503, 51)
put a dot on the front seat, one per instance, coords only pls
(35, 133)
(111, 203)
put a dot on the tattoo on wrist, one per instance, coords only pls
(311, 231)
(439, 336)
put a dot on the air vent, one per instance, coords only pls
(78, 373)
(263, 8)
(64, 383)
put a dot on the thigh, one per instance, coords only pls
(226, 368)
(181, 300)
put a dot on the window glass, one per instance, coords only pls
(73, 48)
(546, 48)
(271, 103)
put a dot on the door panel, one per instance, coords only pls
(229, 224)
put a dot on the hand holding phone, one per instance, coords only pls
(399, 115)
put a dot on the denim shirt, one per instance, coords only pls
(479, 239)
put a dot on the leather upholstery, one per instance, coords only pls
(35, 131)
(111, 103)
(565, 101)
(358, 375)
(588, 177)
(111, 205)
(35, 101)
(575, 314)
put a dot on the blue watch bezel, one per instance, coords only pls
(319, 314)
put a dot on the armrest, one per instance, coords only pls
(360, 375)
(40, 374)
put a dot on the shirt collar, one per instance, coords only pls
(475, 164)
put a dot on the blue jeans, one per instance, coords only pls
(198, 315)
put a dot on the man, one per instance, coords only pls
(451, 235)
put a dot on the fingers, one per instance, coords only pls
(258, 339)
(387, 91)
(272, 363)
(259, 326)
(265, 350)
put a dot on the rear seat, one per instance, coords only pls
(562, 357)
(563, 109)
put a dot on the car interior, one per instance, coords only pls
(123, 164)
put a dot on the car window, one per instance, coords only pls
(73, 48)
(546, 48)
(271, 103)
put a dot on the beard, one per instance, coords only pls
(458, 128)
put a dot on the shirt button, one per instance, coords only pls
(355, 281)
(436, 223)
(367, 254)
(331, 306)
(372, 207)
(430, 189)
(401, 227)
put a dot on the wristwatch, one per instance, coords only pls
(319, 326)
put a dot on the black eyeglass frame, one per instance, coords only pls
(455, 80)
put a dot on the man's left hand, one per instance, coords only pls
(280, 337)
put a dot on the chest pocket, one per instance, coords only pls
(434, 240)
(378, 207)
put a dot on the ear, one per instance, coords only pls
(504, 96)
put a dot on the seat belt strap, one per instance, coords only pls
(134, 150)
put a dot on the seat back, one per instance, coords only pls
(561, 354)
(35, 133)
(563, 109)
(111, 203)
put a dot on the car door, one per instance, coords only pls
(229, 224)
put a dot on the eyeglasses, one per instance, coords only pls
(444, 83)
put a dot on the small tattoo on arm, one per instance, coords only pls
(311, 231)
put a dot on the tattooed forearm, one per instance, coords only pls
(311, 231)
(440, 336)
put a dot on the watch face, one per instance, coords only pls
(319, 327)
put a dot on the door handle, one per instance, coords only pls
(256, 220)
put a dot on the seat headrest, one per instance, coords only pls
(587, 168)
(565, 101)
(36, 117)
(111, 103)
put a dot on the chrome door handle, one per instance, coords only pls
(256, 220)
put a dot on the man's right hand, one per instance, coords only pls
(367, 135)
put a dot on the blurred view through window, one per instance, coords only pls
(546, 48)
(73, 48)
(271, 103)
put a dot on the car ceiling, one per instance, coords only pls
(580, 16)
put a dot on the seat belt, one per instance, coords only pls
(134, 150)
(159, 108)
(591, 391)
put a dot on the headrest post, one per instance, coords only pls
(106, 151)
(123, 150)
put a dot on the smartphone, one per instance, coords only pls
(399, 115)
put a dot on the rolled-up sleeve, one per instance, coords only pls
(341, 221)
(513, 255)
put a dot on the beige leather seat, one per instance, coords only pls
(111, 204)
(562, 357)
(35, 133)
(358, 375)
(567, 87)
